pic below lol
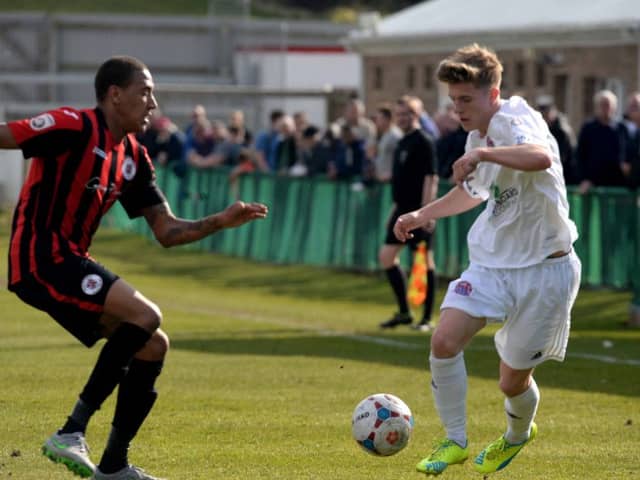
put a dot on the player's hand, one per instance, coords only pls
(465, 165)
(240, 213)
(405, 224)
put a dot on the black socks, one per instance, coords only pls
(429, 299)
(136, 396)
(112, 362)
(398, 282)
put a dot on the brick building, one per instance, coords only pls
(567, 49)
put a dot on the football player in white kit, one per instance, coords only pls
(523, 272)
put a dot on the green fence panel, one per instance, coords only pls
(320, 222)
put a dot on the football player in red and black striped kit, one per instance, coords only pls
(83, 161)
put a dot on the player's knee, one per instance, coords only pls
(513, 386)
(444, 346)
(158, 344)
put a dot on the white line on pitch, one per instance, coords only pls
(383, 340)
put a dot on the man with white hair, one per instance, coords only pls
(602, 146)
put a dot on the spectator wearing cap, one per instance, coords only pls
(316, 151)
(563, 133)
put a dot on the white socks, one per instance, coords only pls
(449, 387)
(520, 411)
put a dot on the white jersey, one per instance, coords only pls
(527, 214)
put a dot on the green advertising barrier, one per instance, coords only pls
(326, 223)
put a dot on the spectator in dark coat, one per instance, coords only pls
(602, 146)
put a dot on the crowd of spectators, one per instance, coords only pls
(358, 147)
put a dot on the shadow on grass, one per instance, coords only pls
(481, 359)
(596, 309)
(596, 314)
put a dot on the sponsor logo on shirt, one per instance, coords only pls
(502, 199)
(463, 288)
(128, 168)
(520, 139)
(92, 284)
(95, 185)
(42, 122)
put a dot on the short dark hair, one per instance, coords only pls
(310, 131)
(118, 71)
(276, 115)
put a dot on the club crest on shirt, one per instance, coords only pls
(463, 288)
(490, 142)
(92, 284)
(403, 156)
(128, 168)
(42, 121)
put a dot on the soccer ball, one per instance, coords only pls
(382, 424)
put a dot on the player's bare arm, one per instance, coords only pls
(526, 157)
(456, 201)
(6, 138)
(171, 231)
(429, 194)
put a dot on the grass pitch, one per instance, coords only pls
(268, 362)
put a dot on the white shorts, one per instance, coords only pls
(533, 304)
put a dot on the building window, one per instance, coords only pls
(521, 74)
(428, 77)
(541, 74)
(411, 77)
(378, 77)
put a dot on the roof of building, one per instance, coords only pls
(450, 16)
(439, 24)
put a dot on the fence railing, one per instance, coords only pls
(326, 223)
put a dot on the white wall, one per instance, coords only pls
(299, 70)
(11, 176)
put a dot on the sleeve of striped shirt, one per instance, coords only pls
(143, 191)
(48, 134)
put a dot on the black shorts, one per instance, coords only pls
(73, 292)
(419, 234)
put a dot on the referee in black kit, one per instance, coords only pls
(414, 183)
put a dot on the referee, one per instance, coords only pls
(414, 183)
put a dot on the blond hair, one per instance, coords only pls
(473, 64)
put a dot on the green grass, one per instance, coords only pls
(268, 362)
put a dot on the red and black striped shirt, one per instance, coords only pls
(77, 173)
